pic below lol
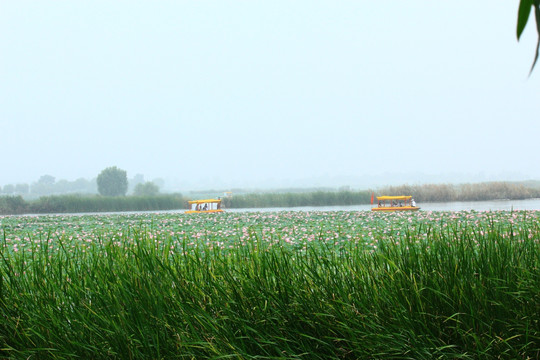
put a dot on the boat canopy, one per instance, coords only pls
(394, 197)
(204, 206)
(207, 201)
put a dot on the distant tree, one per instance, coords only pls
(137, 179)
(44, 186)
(146, 189)
(525, 7)
(112, 181)
(92, 186)
(159, 182)
(134, 181)
(46, 180)
(62, 187)
(22, 188)
(81, 185)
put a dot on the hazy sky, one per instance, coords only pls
(250, 93)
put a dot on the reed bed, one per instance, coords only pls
(288, 285)
(495, 190)
(422, 193)
(55, 204)
(290, 199)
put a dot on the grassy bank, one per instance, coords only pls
(89, 203)
(278, 285)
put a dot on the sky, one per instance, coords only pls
(210, 94)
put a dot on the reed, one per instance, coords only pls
(89, 203)
(12, 205)
(280, 285)
(464, 192)
(421, 193)
(316, 198)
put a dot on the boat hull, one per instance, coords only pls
(396, 208)
(202, 211)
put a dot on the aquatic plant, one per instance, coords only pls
(317, 285)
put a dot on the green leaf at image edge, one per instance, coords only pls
(523, 15)
(537, 15)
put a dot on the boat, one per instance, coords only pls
(395, 203)
(204, 206)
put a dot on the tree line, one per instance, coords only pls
(112, 181)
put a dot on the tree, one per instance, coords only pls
(524, 11)
(81, 185)
(146, 189)
(134, 181)
(159, 182)
(137, 179)
(112, 181)
(46, 180)
(44, 186)
(22, 188)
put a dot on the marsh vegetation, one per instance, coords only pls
(292, 285)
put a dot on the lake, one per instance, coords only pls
(493, 205)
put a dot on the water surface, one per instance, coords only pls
(491, 205)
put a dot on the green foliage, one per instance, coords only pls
(78, 204)
(317, 198)
(55, 204)
(524, 11)
(79, 186)
(458, 286)
(10, 205)
(22, 188)
(146, 189)
(464, 192)
(46, 180)
(9, 189)
(421, 193)
(112, 181)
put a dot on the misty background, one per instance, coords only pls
(267, 94)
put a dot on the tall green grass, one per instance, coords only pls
(86, 203)
(421, 193)
(464, 192)
(12, 205)
(317, 198)
(460, 292)
(89, 203)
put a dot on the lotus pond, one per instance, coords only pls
(291, 284)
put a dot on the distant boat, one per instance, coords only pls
(395, 203)
(204, 206)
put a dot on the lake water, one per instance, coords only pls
(493, 205)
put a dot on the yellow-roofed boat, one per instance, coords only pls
(204, 206)
(395, 203)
